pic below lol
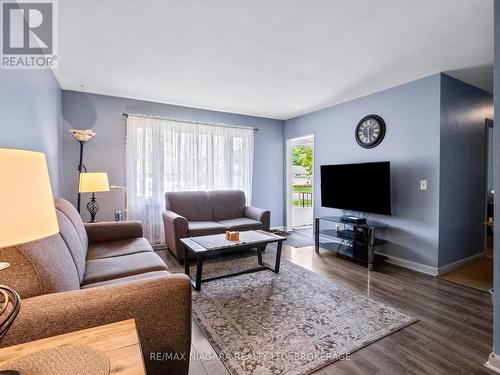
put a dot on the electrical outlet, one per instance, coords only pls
(423, 184)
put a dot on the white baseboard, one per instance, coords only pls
(430, 270)
(458, 263)
(422, 268)
(493, 363)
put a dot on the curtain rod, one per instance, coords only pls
(191, 122)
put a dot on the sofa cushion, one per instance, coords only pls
(205, 228)
(73, 242)
(118, 248)
(227, 204)
(242, 223)
(72, 214)
(142, 276)
(106, 231)
(193, 205)
(39, 267)
(127, 265)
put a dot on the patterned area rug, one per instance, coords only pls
(289, 323)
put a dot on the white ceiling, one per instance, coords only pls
(271, 58)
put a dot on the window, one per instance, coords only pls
(167, 155)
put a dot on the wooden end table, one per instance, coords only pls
(118, 341)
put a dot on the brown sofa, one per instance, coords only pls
(200, 213)
(94, 274)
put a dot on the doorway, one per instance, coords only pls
(300, 183)
(479, 273)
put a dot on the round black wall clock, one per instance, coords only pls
(370, 131)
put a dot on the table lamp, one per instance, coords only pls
(93, 183)
(28, 214)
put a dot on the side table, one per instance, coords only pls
(119, 342)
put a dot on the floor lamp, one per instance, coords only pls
(27, 201)
(82, 136)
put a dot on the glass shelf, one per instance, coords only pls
(352, 240)
(368, 224)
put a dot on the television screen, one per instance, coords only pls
(362, 187)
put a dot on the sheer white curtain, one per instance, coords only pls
(167, 155)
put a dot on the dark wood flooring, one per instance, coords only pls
(477, 273)
(453, 336)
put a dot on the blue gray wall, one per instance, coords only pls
(412, 114)
(106, 152)
(462, 182)
(30, 104)
(435, 131)
(496, 180)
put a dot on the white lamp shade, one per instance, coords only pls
(93, 182)
(82, 135)
(26, 200)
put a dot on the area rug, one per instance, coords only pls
(299, 239)
(292, 323)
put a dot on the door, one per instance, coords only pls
(300, 182)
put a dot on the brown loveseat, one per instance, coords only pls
(200, 213)
(94, 274)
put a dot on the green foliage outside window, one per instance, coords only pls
(303, 156)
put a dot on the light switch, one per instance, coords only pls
(423, 184)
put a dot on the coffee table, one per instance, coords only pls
(202, 246)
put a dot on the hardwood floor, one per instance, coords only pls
(453, 336)
(478, 273)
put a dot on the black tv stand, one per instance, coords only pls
(353, 240)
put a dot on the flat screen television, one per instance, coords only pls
(362, 187)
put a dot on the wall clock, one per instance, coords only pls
(370, 131)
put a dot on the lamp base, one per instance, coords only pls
(10, 297)
(93, 208)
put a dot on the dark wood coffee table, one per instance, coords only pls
(200, 247)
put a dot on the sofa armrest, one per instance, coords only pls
(259, 214)
(113, 231)
(176, 227)
(160, 306)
